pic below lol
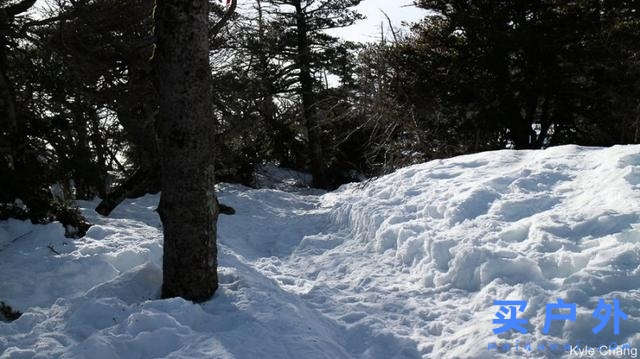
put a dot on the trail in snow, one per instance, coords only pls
(404, 266)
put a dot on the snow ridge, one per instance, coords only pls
(404, 266)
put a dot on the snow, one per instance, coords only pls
(404, 266)
(272, 177)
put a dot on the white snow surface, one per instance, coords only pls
(404, 266)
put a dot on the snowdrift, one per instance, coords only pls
(405, 266)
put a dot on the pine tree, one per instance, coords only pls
(306, 45)
(538, 69)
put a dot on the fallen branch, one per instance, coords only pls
(52, 249)
(21, 236)
(15, 240)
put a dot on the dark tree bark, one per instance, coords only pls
(314, 149)
(7, 111)
(18, 8)
(137, 116)
(9, 134)
(14, 157)
(185, 133)
(137, 184)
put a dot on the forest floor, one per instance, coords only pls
(404, 266)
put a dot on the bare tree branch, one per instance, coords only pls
(393, 31)
(225, 19)
(19, 8)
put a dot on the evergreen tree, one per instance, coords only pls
(308, 48)
(532, 68)
(30, 161)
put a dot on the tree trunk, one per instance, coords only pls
(8, 119)
(518, 125)
(281, 136)
(185, 133)
(314, 150)
(137, 115)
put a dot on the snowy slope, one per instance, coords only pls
(404, 266)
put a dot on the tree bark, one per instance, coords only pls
(19, 8)
(185, 133)
(137, 114)
(314, 150)
(12, 136)
(8, 119)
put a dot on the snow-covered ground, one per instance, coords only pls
(404, 266)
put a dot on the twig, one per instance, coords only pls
(224, 19)
(21, 236)
(52, 249)
(15, 240)
(393, 31)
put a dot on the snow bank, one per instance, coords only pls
(405, 266)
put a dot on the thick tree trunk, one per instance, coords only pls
(185, 133)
